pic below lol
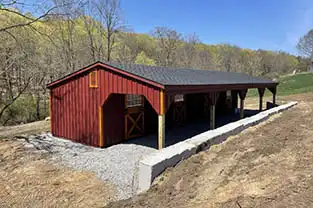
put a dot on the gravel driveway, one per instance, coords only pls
(117, 164)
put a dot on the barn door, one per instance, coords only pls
(134, 116)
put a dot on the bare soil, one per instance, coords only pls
(269, 165)
(24, 129)
(28, 179)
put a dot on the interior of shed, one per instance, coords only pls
(132, 119)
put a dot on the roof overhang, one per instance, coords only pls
(185, 89)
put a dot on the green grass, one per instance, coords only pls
(288, 85)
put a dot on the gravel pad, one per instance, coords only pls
(117, 164)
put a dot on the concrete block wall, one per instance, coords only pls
(153, 165)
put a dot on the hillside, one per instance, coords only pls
(56, 46)
(291, 84)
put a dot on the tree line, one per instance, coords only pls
(68, 35)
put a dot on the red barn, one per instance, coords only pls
(104, 104)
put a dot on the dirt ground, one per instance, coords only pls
(28, 179)
(269, 165)
(30, 128)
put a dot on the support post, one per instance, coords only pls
(261, 94)
(212, 117)
(242, 95)
(212, 102)
(161, 139)
(273, 90)
(161, 122)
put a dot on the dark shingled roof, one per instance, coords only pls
(176, 76)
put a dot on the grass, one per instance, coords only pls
(288, 85)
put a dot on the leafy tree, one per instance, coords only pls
(142, 58)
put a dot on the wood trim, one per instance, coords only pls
(162, 103)
(91, 85)
(101, 142)
(50, 111)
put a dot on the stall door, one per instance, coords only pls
(134, 116)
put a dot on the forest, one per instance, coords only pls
(43, 42)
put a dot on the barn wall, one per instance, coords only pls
(75, 106)
(75, 111)
(111, 82)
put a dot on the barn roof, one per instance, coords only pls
(166, 76)
(182, 76)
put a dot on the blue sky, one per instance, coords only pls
(265, 24)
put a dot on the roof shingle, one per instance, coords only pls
(176, 76)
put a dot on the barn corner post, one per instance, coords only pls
(50, 110)
(212, 102)
(161, 121)
(261, 94)
(242, 96)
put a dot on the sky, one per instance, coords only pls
(255, 24)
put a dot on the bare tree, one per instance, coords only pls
(189, 50)
(168, 41)
(305, 44)
(110, 17)
(12, 7)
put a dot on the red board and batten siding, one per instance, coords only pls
(75, 106)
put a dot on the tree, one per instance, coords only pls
(110, 17)
(305, 44)
(168, 41)
(189, 51)
(142, 58)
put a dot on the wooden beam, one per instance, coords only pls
(261, 94)
(212, 117)
(101, 143)
(161, 122)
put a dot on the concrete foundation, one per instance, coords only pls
(153, 165)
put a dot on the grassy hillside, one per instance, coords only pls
(288, 85)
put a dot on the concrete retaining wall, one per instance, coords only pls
(153, 165)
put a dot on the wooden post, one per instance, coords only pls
(161, 139)
(161, 122)
(261, 94)
(242, 95)
(212, 98)
(273, 90)
(242, 110)
(212, 117)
